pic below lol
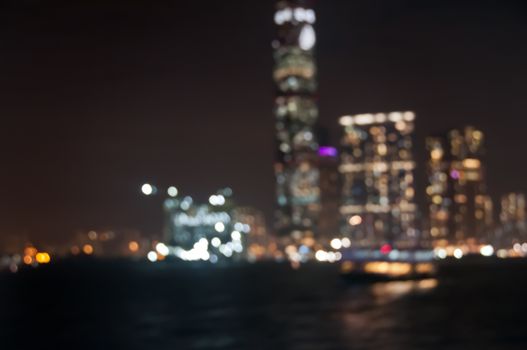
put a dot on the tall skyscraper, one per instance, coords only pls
(296, 112)
(460, 210)
(328, 225)
(439, 190)
(513, 219)
(378, 182)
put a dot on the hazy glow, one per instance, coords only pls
(367, 119)
(219, 227)
(321, 255)
(152, 256)
(203, 217)
(87, 249)
(336, 243)
(92, 235)
(235, 235)
(216, 242)
(133, 246)
(237, 247)
(388, 268)
(147, 189)
(162, 249)
(299, 14)
(43, 258)
(470, 163)
(458, 253)
(487, 250)
(172, 191)
(346, 243)
(307, 38)
(355, 220)
(226, 250)
(326, 151)
(202, 244)
(440, 253)
(217, 200)
(502, 253)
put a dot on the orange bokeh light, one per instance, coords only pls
(87, 249)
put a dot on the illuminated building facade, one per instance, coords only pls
(328, 163)
(296, 112)
(377, 170)
(513, 219)
(460, 210)
(205, 232)
(439, 189)
(260, 245)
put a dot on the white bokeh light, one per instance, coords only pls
(172, 191)
(152, 256)
(307, 38)
(219, 227)
(147, 189)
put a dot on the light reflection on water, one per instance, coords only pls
(255, 307)
(372, 316)
(389, 291)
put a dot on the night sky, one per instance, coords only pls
(97, 97)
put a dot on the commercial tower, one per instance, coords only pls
(328, 224)
(378, 182)
(513, 219)
(296, 112)
(459, 208)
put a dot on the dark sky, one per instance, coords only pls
(97, 97)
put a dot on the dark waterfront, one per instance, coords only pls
(143, 306)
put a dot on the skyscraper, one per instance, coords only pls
(513, 219)
(460, 210)
(378, 182)
(296, 112)
(328, 225)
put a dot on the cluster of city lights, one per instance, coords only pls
(217, 200)
(298, 14)
(328, 256)
(337, 243)
(33, 257)
(30, 257)
(203, 249)
(518, 250)
(149, 190)
(379, 118)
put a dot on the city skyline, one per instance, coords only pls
(82, 141)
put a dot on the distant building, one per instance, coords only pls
(513, 219)
(378, 190)
(460, 210)
(328, 163)
(188, 221)
(259, 244)
(108, 243)
(296, 112)
(205, 231)
(215, 231)
(439, 190)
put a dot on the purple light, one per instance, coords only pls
(325, 151)
(454, 174)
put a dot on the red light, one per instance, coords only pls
(386, 249)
